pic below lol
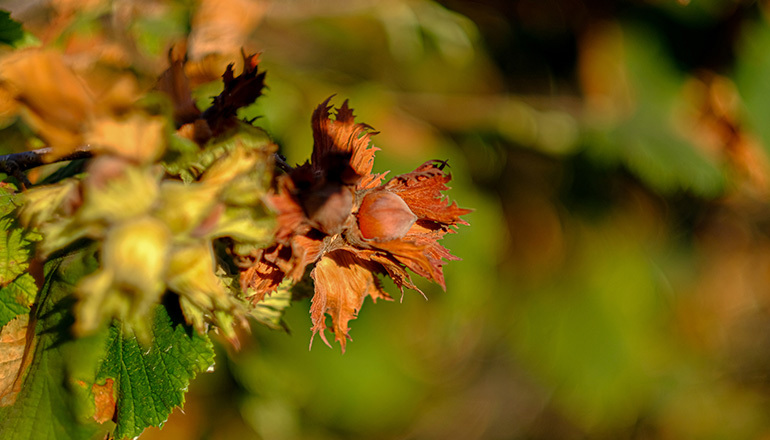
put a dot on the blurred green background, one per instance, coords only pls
(615, 276)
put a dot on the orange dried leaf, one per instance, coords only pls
(206, 69)
(342, 137)
(55, 99)
(13, 343)
(104, 401)
(9, 107)
(271, 265)
(342, 282)
(264, 274)
(421, 254)
(224, 27)
(289, 212)
(421, 190)
(394, 269)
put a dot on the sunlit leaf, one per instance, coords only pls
(54, 400)
(16, 297)
(150, 381)
(15, 242)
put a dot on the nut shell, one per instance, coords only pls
(384, 216)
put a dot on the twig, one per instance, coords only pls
(15, 164)
(281, 163)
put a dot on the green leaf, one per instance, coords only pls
(16, 298)
(15, 249)
(189, 164)
(7, 198)
(151, 381)
(15, 241)
(54, 402)
(18, 288)
(10, 30)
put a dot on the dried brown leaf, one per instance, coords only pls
(422, 191)
(104, 401)
(13, 343)
(290, 214)
(175, 83)
(239, 91)
(342, 283)
(342, 137)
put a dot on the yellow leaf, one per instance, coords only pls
(54, 99)
(138, 137)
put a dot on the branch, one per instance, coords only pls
(15, 164)
(26, 160)
(281, 163)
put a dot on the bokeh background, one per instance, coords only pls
(615, 281)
